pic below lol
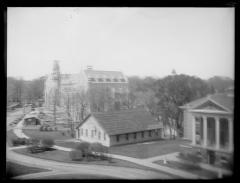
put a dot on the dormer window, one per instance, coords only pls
(100, 79)
(108, 80)
(115, 80)
(122, 80)
(91, 79)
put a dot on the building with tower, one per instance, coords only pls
(93, 90)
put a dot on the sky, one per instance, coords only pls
(137, 41)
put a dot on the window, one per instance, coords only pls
(95, 130)
(135, 135)
(91, 79)
(115, 80)
(126, 136)
(108, 80)
(149, 133)
(104, 136)
(100, 79)
(117, 138)
(86, 132)
(99, 135)
(122, 80)
(142, 134)
(92, 133)
(81, 131)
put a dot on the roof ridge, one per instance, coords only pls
(122, 111)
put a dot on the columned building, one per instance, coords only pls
(208, 123)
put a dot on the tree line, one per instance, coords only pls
(160, 96)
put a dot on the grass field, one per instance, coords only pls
(141, 150)
(181, 166)
(55, 135)
(149, 149)
(14, 169)
(63, 156)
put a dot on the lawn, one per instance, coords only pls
(181, 166)
(63, 156)
(149, 149)
(14, 169)
(55, 135)
(141, 150)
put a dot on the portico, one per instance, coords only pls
(212, 130)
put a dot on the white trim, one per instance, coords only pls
(209, 111)
(217, 132)
(204, 131)
(193, 131)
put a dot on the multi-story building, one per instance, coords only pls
(96, 91)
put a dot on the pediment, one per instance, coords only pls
(208, 105)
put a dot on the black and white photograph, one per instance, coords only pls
(120, 93)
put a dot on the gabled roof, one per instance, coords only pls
(221, 99)
(125, 121)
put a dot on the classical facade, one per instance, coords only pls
(96, 91)
(208, 123)
(119, 127)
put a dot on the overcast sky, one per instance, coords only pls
(136, 41)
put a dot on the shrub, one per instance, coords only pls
(49, 128)
(45, 128)
(76, 155)
(97, 147)
(35, 141)
(41, 128)
(84, 147)
(19, 141)
(35, 149)
(47, 143)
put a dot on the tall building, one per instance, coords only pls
(94, 90)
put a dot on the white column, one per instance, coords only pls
(204, 131)
(193, 131)
(230, 128)
(217, 132)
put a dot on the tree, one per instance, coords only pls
(174, 91)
